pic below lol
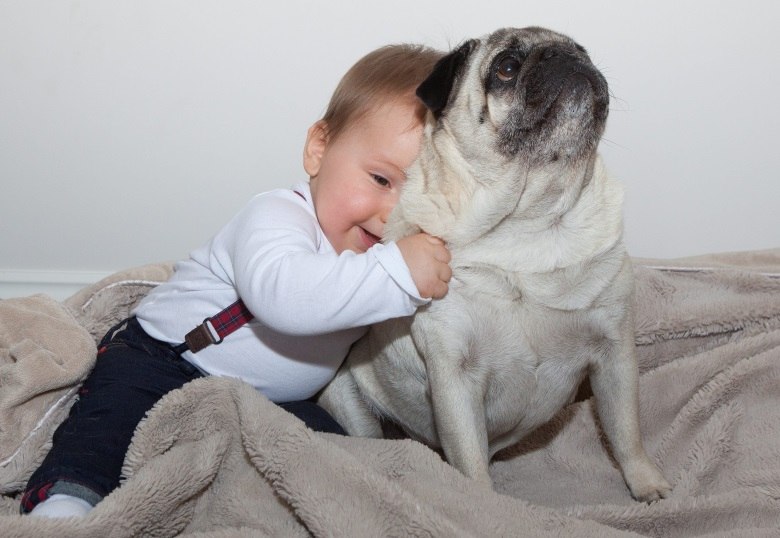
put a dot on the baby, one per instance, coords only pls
(296, 277)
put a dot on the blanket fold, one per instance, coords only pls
(217, 459)
(44, 354)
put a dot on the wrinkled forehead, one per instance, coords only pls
(522, 40)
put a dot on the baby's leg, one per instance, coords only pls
(314, 416)
(131, 374)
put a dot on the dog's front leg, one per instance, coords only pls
(614, 379)
(460, 424)
(459, 415)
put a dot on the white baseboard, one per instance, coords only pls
(57, 284)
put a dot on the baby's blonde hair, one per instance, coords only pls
(388, 73)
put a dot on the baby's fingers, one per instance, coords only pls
(445, 272)
(440, 250)
(443, 254)
(439, 290)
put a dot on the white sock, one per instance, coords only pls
(60, 505)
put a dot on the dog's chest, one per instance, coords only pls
(529, 359)
(553, 357)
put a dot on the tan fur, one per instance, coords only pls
(542, 285)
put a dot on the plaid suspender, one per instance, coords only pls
(224, 323)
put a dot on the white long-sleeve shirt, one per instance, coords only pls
(310, 303)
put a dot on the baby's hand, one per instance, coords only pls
(428, 261)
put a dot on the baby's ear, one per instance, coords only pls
(316, 141)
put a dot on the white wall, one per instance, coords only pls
(131, 130)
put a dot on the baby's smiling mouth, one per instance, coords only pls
(370, 238)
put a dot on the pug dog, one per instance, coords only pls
(541, 292)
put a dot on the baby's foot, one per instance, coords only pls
(60, 505)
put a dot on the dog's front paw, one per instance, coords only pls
(646, 482)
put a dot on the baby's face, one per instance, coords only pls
(359, 177)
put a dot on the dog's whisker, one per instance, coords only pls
(611, 143)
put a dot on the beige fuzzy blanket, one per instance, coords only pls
(217, 459)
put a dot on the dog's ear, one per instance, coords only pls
(435, 90)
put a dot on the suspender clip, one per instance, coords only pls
(201, 337)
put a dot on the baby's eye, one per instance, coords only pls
(381, 181)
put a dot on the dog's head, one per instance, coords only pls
(514, 126)
(529, 92)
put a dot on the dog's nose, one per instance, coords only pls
(557, 64)
(562, 54)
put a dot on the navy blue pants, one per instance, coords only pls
(132, 372)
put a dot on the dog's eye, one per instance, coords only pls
(508, 69)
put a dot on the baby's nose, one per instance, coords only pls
(384, 212)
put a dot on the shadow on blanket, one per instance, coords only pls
(217, 459)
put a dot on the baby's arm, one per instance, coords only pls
(272, 256)
(428, 261)
(298, 292)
